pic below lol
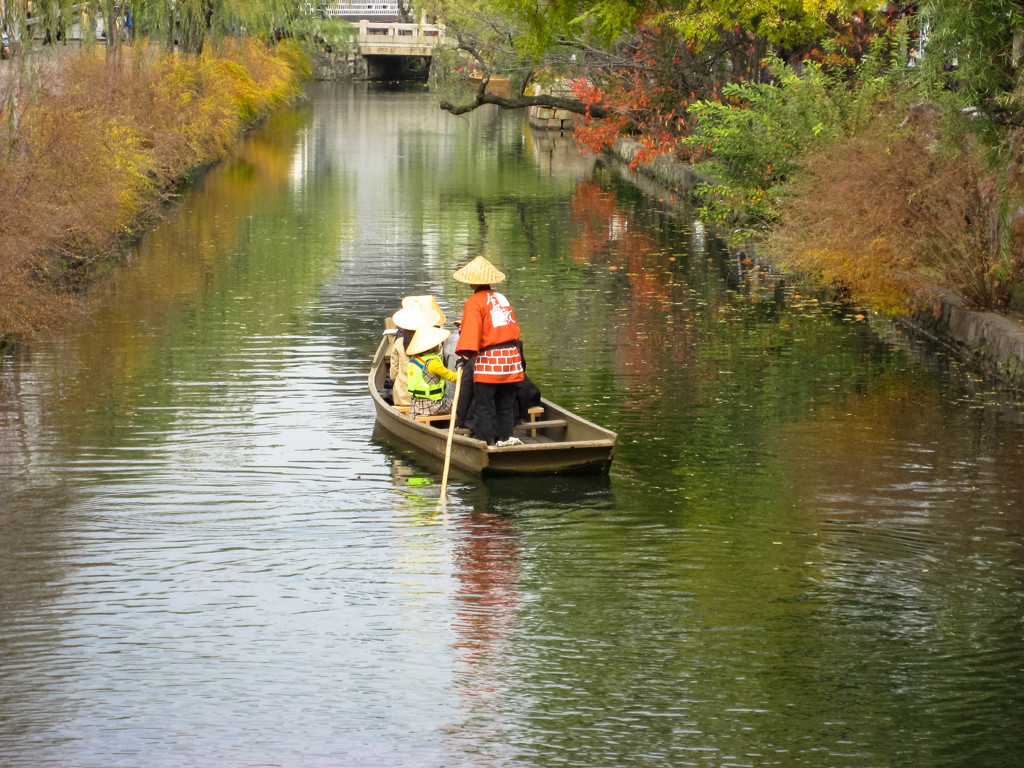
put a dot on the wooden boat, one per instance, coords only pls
(498, 85)
(555, 440)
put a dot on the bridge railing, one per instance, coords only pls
(377, 33)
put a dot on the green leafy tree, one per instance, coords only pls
(643, 62)
(530, 44)
(972, 57)
(749, 144)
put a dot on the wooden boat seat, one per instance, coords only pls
(532, 414)
(435, 417)
(404, 409)
(532, 426)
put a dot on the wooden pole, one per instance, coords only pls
(451, 434)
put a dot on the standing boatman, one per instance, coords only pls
(489, 335)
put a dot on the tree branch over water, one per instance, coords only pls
(519, 102)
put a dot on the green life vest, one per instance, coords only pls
(418, 386)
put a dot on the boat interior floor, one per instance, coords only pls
(527, 439)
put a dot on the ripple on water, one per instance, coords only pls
(804, 556)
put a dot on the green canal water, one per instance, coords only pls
(808, 552)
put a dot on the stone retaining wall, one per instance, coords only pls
(663, 169)
(988, 342)
(338, 66)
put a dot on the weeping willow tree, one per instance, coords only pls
(188, 25)
(184, 25)
(191, 24)
(973, 56)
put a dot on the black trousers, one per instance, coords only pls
(493, 411)
(463, 416)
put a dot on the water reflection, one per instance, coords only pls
(556, 154)
(488, 568)
(808, 551)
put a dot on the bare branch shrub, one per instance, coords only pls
(896, 209)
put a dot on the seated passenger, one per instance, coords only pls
(448, 355)
(451, 359)
(427, 374)
(410, 317)
(427, 301)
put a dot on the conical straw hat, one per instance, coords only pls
(416, 315)
(426, 301)
(426, 337)
(479, 272)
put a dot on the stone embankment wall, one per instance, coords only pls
(663, 169)
(338, 66)
(989, 343)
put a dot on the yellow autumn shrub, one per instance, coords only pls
(90, 145)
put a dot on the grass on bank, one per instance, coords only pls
(91, 146)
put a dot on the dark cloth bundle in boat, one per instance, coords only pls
(527, 397)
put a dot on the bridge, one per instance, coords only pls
(395, 50)
(396, 39)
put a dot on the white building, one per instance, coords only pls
(377, 10)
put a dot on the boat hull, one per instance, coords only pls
(569, 444)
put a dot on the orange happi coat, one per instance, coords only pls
(487, 319)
